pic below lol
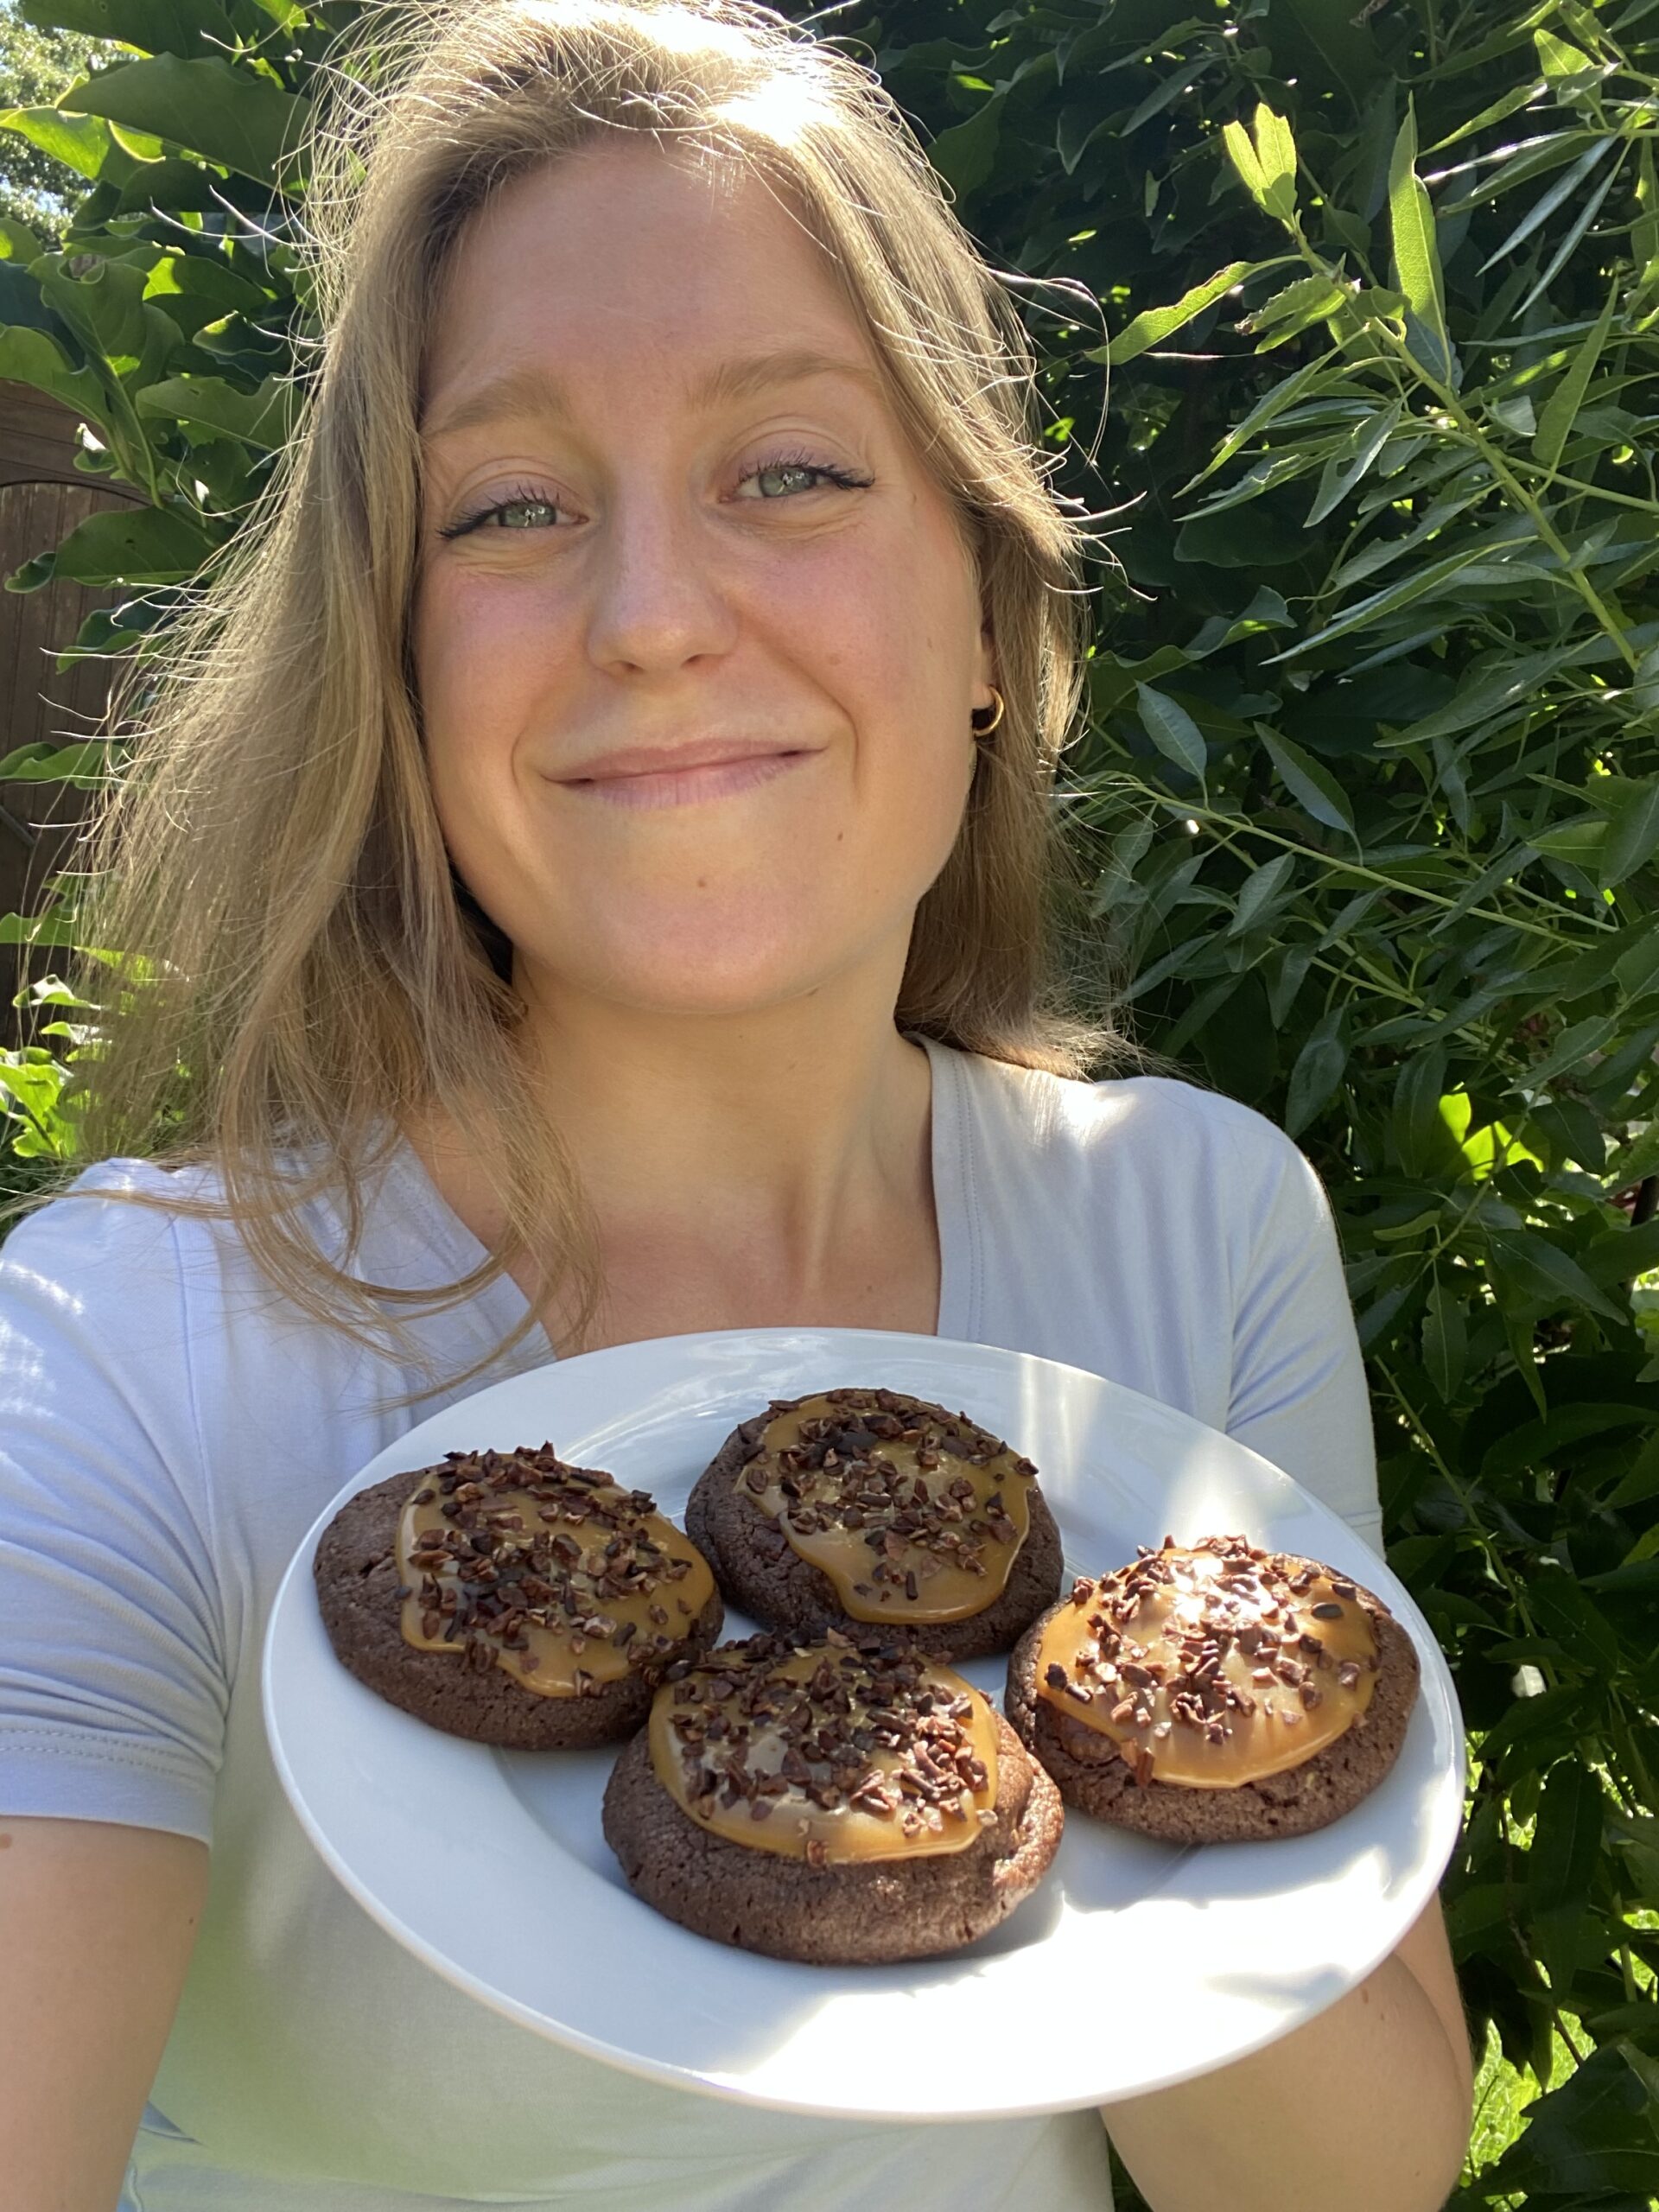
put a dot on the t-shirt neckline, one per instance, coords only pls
(954, 1211)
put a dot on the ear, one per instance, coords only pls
(985, 661)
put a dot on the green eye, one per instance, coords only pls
(523, 514)
(524, 511)
(785, 477)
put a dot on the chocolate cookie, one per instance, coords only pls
(819, 1756)
(450, 1590)
(1216, 1663)
(920, 1520)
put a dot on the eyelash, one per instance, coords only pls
(522, 495)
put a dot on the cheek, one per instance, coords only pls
(477, 649)
(912, 682)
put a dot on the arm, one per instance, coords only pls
(113, 1689)
(96, 1924)
(1366, 2106)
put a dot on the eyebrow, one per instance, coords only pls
(531, 390)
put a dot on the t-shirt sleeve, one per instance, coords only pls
(1299, 1393)
(113, 1678)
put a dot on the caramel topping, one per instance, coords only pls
(1213, 1663)
(912, 1517)
(826, 1750)
(555, 1574)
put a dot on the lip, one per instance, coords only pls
(667, 760)
(682, 786)
(682, 775)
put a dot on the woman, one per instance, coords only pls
(592, 862)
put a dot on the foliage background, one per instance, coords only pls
(35, 66)
(1370, 780)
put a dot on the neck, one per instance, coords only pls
(741, 1170)
(771, 1116)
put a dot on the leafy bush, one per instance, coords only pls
(1371, 771)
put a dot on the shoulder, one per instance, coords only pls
(126, 1228)
(1153, 1124)
(1141, 1157)
(118, 1214)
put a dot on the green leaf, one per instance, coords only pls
(1579, 842)
(1590, 2137)
(230, 116)
(1534, 1729)
(1296, 309)
(1572, 1047)
(1276, 150)
(1540, 1443)
(1547, 1278)
(259, 418)
(1265, 159)
(1564, 67)
(1345, 468)
(1562, 408)
(1634, 832)
(1311, 785)
(1116, 884)
(52, 930)
(1564, 189)
(18, 242)
(1624, 1254)
(40, 763)
(103, 305)
(1174, 731)
(965, 155)
(1639, 1481)
(1446, 1340)
(209, 276)
(1644, 231)
(80, 143)
(1636, 1841)
(1291, 973)
(1390, 600)
(1317, 1072)
(1154, 325)
(1586, 215)
(133, 545)
(1278, 402)
(1518, 96)
(1631, 1578)
(174, 26)
(1561, 1864)
(33, 357)
(1166, 94)
(1512, 682)
(1420, 1134)
(1416, 257)
(1259, 894)
(1242, 155)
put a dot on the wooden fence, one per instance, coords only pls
(42, 497)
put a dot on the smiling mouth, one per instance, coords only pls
(677, 785)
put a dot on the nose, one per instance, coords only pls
(659, 601)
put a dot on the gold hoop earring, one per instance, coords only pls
(984, 729)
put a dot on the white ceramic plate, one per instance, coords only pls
(1136, 1964)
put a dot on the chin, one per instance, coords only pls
(721, 965)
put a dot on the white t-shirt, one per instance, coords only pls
(169, 1429)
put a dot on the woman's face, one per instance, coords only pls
(696, 639)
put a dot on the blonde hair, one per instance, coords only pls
(299, 970)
